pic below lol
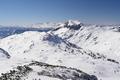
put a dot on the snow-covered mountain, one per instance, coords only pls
(69, 51)
(53, 25)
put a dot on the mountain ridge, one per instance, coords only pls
(94, 49)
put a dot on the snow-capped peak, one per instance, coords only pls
(72, 22)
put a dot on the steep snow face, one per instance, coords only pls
(98, 39)
(104, 40)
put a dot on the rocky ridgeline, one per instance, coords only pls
(60, 72)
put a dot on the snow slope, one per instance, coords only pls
(93, 49)
(98, 39)
(39, 46)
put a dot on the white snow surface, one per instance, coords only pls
(54, 48)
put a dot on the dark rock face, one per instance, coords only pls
(73, 25)
(52, 38)
(60, 72)
(16, 74)
(5, 53)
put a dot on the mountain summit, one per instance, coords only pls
(72, 22)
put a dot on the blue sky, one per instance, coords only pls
(34, 11)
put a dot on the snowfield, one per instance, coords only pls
(69, 51)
